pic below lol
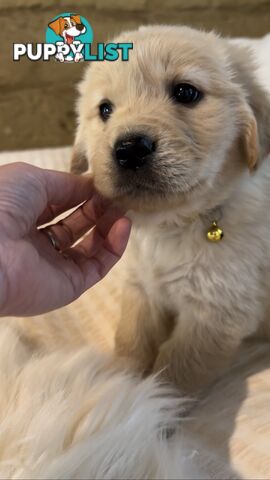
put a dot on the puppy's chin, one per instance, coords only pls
(141, 198)
(145, 202)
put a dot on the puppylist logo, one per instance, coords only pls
(69, 38)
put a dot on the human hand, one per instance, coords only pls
(34, 276)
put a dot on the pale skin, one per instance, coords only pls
(34, 276)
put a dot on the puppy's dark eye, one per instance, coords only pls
(105, 110)
(186, 93)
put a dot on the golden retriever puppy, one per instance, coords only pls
(179, 136)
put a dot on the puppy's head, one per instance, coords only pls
(68, 27)
(173, 125)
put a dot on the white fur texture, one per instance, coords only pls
(74, 415)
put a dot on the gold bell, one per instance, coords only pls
(215, 234)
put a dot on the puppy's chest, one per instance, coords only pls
(181, 264)
(165, 262)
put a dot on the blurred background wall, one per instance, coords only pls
(37, 98)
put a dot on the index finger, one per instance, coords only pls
(69, 229)
(64, 191)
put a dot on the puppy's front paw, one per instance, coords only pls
(60, 57)
(173, 371)
(78, 57)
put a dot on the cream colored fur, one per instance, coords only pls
(76, 414)
(188, 303)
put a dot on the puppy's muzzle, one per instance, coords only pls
(134, 152)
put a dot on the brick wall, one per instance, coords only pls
(37, 98)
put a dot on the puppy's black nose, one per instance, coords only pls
(133, 152)
(80, 26)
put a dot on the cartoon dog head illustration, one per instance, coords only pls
(68, 27)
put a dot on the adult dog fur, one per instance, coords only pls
(188, 303)
(73, 414)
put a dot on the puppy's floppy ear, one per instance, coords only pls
(250, 142)
(255, 116)
(260, 104)
(76, 18)
(57, 25)
(79, 161)
(257, 127)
